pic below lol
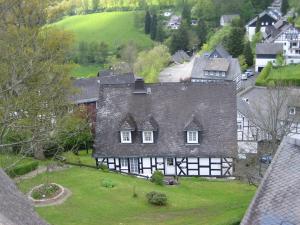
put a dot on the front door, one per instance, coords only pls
(170, 166)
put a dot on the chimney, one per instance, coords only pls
(139, 86)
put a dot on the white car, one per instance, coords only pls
(244, 76)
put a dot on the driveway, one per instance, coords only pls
(177, 72)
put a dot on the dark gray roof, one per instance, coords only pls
(277, 200)
(269, 48)
(270, 12)
(217, 64)
(127, 78)
(180, 57)
(149, 124)
(87, 90)
(279, 28)
(171, 105)
(219, 52)
(201, 62)
(229, 18)
(193, 125)
(127, 123)
(15, 208)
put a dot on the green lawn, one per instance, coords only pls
(113, 28)
(194, 201)
(85, 71)
(82, 157)
(289, 73)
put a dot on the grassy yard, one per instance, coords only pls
(113, 28)
(82, 157)
(85, 71)
(7, 160)
(195, 201)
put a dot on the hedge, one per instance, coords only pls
(22, 169)
(261, 80)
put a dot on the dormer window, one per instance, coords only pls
(292, 111)
(147, 136)
(125, 137)
(192, 137)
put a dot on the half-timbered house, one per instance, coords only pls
(184, 129)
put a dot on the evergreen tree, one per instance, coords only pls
(248, 54)
(235, 41)
(160, 33)
(284, 6)
(153, 27)
(147, 22)
(186, 13)
(180, 39)
(257, 28)
(201, 31)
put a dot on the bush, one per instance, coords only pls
(157, 177)
(45, 191)
(157, 198)
(22, 169)
(108, 183)
(104, 167)
(262, 78)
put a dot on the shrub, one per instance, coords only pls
(157, 198)
(104, 167)
(22, 169)
(157, 177)
(45, 191)
(262, 78)
(108, 183)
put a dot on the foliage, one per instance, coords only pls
(157, 198)
(147, 22)
(261, 80)
(186, 13)
(150, 63)
(160, 33)
(243, 63)
(22, 169)
(91, 53)
(201, 31)
(104, 167)
(280, 60)
(153, 26)
(257, 38)
(46, 191)
(82, 156)
(89, 70)
(210, 199)
(285, 75)
(247, 52)
(234, 42)
(107, 183)
(258, 25)
(158, 177)
(284, 6)
(180, 38)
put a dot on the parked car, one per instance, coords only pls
(249, 72)
(266, 159)
(244, 76)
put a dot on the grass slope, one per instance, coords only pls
(113, 28)
(195, 201)
(85, 70)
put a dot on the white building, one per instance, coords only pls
(265, 53)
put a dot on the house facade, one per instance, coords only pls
(266, 18)
(289, 37)
(183, 129)
(265, 53)
(216, 66)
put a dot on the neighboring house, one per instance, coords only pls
(277, 200)
(180, 57)
(217, 65)
(286, 34)
(174, 22)
(265, 53)
(15, 208)
(252, 104)
(266, 18)
(184, 129)
(276, 5)
(226, 20)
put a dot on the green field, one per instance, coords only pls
(194, 201)
(85, 71)
(113, 28)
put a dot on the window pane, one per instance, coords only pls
(125, 136)
(134, 165)
(192, 136)
(148, 137)
(124, 163)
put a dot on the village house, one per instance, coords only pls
(265, 53)
(226, 20)
(253, 104)
(174, 22)
(288, 35)
(184, 129)
(266, 18)
(277, 200)
(216, 66)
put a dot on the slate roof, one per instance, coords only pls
(217, 64)
(270, 12)
(201, 62)
(87, 90)
(229, 18)
(221, 52)
(171, 105)
(269, 48)
(277, 29)
(180, 57)
(15, 208)
(193, 125)
(277, 200)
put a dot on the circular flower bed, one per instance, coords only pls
(46, 191)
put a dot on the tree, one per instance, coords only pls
(180, 39)
(280, 60)
(201, 31)
(147, 22)
(83, 52)
(160, 33)
(128, 54)
(153, 27)
(248, 54)
(284, 6)
(186, 13)
(34, 76)
(102, 53)
(258, 26)
(95, 5)
(235, 41)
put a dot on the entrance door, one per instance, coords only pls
(170, 166)
(134, 165)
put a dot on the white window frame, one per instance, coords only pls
(122, 133)
(292, 111)
(151, 137)
(124, 163)
(194, 139)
